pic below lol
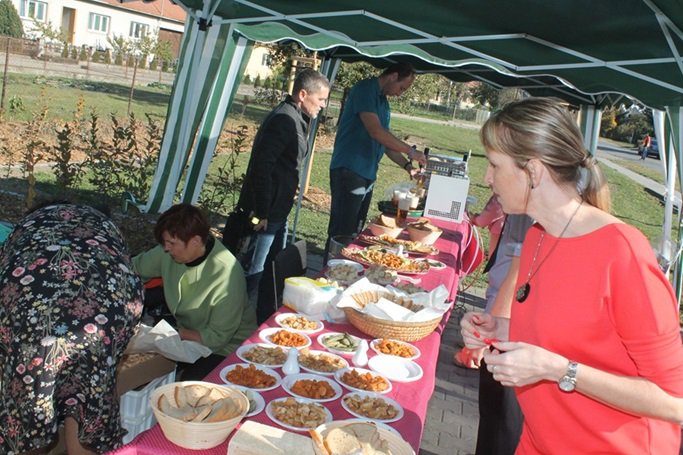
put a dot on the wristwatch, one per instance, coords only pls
(568, 381)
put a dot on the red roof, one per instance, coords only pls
(158, 8)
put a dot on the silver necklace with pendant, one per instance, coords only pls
(524, 290)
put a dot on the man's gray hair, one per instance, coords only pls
(310, 80)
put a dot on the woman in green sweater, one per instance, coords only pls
(204, 290)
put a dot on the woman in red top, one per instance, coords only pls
(593, 344)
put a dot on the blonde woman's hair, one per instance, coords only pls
(543, 128)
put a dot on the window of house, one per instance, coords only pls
(138, 30)
(98, 23)
(33, 9)
(265, 60)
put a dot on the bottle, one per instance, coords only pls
(291, 366)
(360, 357)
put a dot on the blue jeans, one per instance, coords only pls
(351, 196)
(264, 246)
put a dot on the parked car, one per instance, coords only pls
(653, 149)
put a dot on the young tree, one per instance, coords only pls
(10, 23)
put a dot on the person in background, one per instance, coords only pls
(500, 419)
(645, 146)
(272, 177)
(492, 218)
(203, 290)
(70, 303)
(363, 138)
(593, 342)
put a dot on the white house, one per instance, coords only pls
(91, 22)
(258, 64)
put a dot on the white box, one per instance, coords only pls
(446, 197)
(136, 411)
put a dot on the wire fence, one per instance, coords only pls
(55, 59)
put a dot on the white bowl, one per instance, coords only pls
(271, 414)
(283, 316)
(289, 381)
(265, 335)
(376, 341)
(224, 376)
(396, 368)
(197, 435)
(374, 396)
(339, 374)
(245, 348)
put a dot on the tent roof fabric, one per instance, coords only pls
(585, 50)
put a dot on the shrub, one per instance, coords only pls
(246, 80)
(83, 56)
(257, 81)
(119, 59)
(107, 56)
(10, 22)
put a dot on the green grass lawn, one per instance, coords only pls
(29, 93)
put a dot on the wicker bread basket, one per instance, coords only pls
(198, 435)
(383, 328)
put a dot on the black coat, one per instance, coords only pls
(272, 177)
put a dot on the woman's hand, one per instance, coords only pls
(478, 329)
(516, 364)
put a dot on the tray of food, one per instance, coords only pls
(262, 354)
(251, 376)
(339, 343)
(409, 246)
(298, 323)
(391, 260)
(312, 386)
(381, 275)
(321, 362)
(343, 271)
(356, 436)
(373, 406)
(256, 401)
(386, 346)
(363, 380)
(298, 414)
(286, 338)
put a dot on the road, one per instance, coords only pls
(630, 154)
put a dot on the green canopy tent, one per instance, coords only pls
(590, 53)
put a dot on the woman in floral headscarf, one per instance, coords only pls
(68, 304)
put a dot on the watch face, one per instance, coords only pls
(566, 384)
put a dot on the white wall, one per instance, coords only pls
(119, 22)
(255, 64)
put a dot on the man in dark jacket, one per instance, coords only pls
(273, 175)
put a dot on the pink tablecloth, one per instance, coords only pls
(413, 396)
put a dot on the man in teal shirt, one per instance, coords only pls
(204, 291)
(363, 137)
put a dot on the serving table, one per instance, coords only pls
(412, 396)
